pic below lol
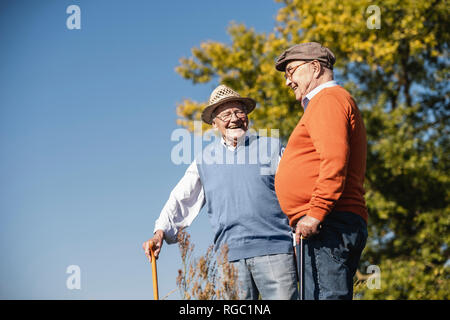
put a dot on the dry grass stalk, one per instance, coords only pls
(210, 277)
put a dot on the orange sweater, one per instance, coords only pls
(323, 166)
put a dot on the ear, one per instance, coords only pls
(318, 69)
(214, 124)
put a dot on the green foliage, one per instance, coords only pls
(398, 75)
(408, 279)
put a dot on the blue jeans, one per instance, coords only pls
(332, 257)
(271, 276)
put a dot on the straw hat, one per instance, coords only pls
(223, 94)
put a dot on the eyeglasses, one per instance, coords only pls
(290, 73)
(227, 116)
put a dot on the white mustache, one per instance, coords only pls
(235, 133)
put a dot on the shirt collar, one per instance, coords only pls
(316, 90)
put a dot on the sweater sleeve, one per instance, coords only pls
(329, 129)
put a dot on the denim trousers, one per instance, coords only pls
(271, 276)
(332, 256)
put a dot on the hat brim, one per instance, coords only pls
(281, 66)
(209, 110)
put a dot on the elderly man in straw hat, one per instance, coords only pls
(319, 181)
(241, 202)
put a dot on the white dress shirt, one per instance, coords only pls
(316, 90)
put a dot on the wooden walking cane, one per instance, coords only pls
(154, 273)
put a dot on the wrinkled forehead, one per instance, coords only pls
(230, 105)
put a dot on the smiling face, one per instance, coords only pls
(299, 77)
(231, 120)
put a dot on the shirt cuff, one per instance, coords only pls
(170, 235)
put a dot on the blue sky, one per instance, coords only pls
(85, 123)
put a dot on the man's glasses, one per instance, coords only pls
(289, 73)
(228, 115)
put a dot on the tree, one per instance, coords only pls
(398, 75)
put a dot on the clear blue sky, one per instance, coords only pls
(85, 123)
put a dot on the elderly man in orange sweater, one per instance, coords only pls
(319, 182)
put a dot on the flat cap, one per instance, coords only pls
(306, 51)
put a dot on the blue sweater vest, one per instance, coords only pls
(240, 198)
